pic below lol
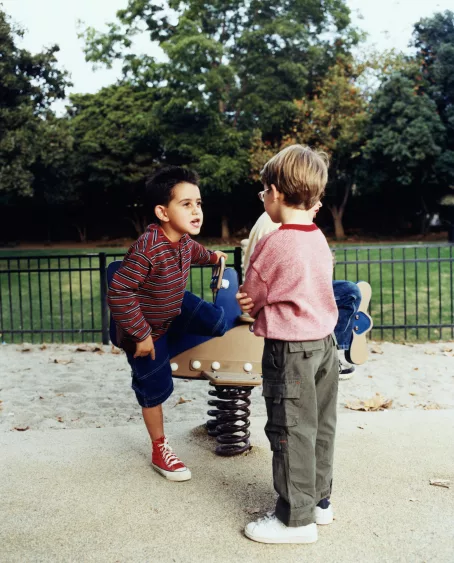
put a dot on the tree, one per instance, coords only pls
(231, 66)
(434, 39)
(116, 136)
(405, 139)
(333, 121)
(28, 86)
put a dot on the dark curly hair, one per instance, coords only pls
(160, 185)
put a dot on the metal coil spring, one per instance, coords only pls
(231, 422)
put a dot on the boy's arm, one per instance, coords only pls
(122, 299)
(256, 289)
(201, 255)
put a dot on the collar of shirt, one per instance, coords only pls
(296, 227)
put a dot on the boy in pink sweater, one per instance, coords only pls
(289, 280)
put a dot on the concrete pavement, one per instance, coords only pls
(90, 495)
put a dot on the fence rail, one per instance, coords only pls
(412, 288)
(62, 298)
(50, 298)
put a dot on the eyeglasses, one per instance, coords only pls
(262, 194)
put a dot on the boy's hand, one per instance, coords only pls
(220, 255)
(244, 301)
(145, 348)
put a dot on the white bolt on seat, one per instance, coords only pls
(215, 366)
(247, 367)
(196, 364)
(174, 367)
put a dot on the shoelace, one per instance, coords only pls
(167, 453)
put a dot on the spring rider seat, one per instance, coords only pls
(231, 363)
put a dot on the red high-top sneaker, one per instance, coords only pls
(167, 463)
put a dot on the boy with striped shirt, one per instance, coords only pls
(147, 294)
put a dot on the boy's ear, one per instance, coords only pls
(276, 193)
(161, 213)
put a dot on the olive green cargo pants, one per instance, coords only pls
(300, 381)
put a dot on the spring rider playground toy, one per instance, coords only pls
(232, 363)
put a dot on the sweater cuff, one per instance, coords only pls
(213, 257)
(143, 334)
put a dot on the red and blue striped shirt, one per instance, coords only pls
(146, 292)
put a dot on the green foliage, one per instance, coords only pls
(230, 67)
(116, 139)
(434, 39)
(334, 121)
(28, 85)
(410, 148)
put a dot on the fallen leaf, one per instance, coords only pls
(41, 397)
(437, 482)
(413, 394)
(182, 400)
(370, 376)
(431, 407)
(62, 361)
(413, 499)
(21, 428)
(252, 510)
(377, 403)
(115, 350)
(415, 369)
(60, 394)
(83, 348)
(60, 419)
(360, 427)
(447, 349)
(429, 352)
(43, 347)
(25, 347)
(376, 350)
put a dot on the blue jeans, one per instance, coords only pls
(152, 379)
(348, 300)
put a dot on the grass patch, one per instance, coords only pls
(55, 295)
(410, 286)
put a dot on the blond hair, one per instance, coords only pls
(300, 173)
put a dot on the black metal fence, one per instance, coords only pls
(62, 298)
(412, 288)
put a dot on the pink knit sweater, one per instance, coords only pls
(290, 282)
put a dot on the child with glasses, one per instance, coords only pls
(289, 283)
(348, 297)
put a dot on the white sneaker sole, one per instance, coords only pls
(346, 376)
(173, 475)
(324, 516)
(310, 538)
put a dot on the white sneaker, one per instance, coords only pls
(324, 513)
(272, 530)
(346, 369)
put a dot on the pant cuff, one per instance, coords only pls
(306, 517)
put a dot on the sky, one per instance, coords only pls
(389, 24)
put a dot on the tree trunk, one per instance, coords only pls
(225, 231)
(338, 212)
(339, 232)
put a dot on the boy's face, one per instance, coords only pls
(184, 213)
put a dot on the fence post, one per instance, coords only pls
(237, 260)
(104, 308)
